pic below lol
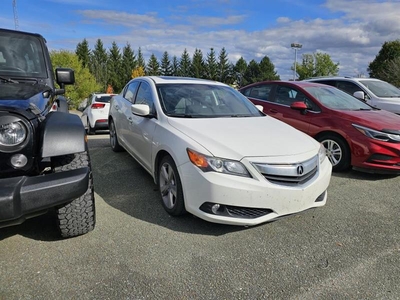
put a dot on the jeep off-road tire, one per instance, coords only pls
(79, 216)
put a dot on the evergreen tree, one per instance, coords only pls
(239, 70)
(114, 68)
(252, 72)
(140, 59)
(184, 65)
(211, 65)
(166, 68)
(128, 63)
(175, 66)
(223, 66)
(197, 67)
(83, 53)
(153, 66)
(267, 70)
(98, 64)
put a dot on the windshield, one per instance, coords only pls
(381, 88)
(204, 101)
(336, 99)
(21, 56)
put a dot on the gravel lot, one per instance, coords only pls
(348, 249)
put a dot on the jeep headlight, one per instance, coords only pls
(12, 134)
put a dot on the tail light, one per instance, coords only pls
(98, 105)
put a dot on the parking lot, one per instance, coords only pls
(348, 249)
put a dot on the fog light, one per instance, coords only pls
(19, 161)
(215, 208)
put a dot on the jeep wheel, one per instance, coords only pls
(79, 216)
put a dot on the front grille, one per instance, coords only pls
(291, 180)
(289, 174)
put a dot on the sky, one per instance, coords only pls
(352, 32)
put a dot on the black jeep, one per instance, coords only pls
(44, 159)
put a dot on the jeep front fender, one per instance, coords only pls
(62, 133)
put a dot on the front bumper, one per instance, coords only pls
(21, 197)
(250, 195)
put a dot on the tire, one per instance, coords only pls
(90, 130)
(115, 146)
(78, 216)
(170, 187)
(337, 151)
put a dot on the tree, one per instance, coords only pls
(166, 68)
(392, 73)
(85, 82)
(197, 67)
(315, 65)
(184, 65)
(211, 65)
(175, 66)
(267, 70)
(238, 72)
(138, 72)
(224, 68)
(98, 64)
(252, 73)
(385, 65)
(129, 63)
(83, 52)
(153, 66)
(140, 59)
(114, 68)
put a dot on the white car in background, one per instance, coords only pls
(95, 112)
(213, 154)
(375, 92)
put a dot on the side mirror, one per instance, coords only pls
(64, 76)
(142, 110)
(298, 105)
(260, 108)
(359, 95)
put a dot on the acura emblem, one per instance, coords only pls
(300, 170)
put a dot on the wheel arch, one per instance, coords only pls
(330, 132)
(160, 155)
(62, 133)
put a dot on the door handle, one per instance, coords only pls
(274, 111)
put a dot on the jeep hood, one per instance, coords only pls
(25, 96)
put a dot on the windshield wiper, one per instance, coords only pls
(8, 80)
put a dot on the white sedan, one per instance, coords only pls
(213, 154)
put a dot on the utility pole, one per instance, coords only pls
(296, 47)
(15, 14)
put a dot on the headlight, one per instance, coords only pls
(12, 134)
(214, 164)
(378, 135)
(321, 154)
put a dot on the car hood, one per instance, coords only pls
(235, 138)
(24, 96)
(375, 119)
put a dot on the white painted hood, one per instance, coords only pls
(235, 138)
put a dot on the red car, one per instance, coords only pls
(353, 133)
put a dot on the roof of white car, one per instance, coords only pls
(175, 79)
